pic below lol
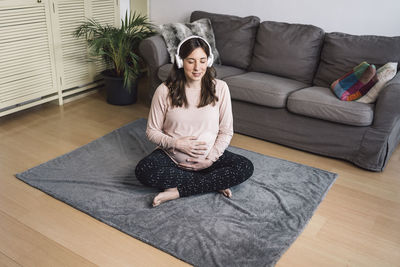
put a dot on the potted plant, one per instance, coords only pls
(118, 48)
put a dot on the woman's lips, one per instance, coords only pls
(196, 74)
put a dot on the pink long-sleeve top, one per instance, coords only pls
(211, 124)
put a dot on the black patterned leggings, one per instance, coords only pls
(159, 171)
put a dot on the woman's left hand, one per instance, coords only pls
(196, 164)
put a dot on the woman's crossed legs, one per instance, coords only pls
(159, 171)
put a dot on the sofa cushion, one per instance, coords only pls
(288, 50)
(234, 37)
(222, 71)
(227, 71)
(174, 33)
(263, 89)
(341, 52)
(321, 103)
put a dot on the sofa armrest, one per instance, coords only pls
(154, 52)
(387, 109)
(381, 139)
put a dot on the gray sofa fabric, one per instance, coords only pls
(383, 136)
(342, 52)
(262, 89)
(222, 71)
(234, 37)
(288, 50)
(155, 53)
(272, 104)
(281, 126)
(163, 71)
(319, 102)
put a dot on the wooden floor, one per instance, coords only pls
(357, 224)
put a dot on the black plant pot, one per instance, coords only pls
(117, 94)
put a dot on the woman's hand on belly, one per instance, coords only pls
(196, 164)
(190, 146)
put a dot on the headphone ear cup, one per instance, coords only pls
(179, 61)
(210, 60)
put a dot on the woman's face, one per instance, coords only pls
(195, 65)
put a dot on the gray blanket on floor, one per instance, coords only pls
(254, 228)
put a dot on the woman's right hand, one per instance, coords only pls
(189, 145)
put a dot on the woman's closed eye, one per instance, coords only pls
(192, 61)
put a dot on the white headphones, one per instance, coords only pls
(179, 60)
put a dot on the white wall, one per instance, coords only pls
(350, 16)
(140, 6)
(123, 7)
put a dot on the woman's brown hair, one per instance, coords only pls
(176, 79)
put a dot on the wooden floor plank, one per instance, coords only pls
(27, 247)
(5, 261)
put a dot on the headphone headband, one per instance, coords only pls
(179, 60)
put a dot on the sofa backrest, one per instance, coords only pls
(288, 50)
(342, 52)
(234, 37)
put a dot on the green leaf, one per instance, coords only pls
(117, 46)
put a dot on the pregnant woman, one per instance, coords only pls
(191, 122)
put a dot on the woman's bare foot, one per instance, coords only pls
(226, 192)
(168, 194)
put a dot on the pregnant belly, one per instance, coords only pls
(180, 157)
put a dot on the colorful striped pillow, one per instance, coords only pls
(384, 74)
(355, 83)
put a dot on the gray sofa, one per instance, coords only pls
(279, 76)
